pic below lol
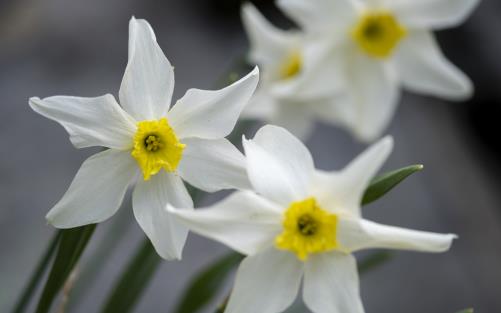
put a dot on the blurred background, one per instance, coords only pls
(50, 47)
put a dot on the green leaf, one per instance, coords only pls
(470, 310)
(71, 245)
(133, 279)
(374, 260)
(206, 283)
(37, 274)
(386, 182)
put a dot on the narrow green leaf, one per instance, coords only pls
(374, 260)
(133, 279)
(206, 283)
(386, 182)
(470, 310)
(71, 245)
(37, 274)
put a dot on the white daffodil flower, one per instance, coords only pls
(301, 222)
(293, 90)
(149, 142)
(380, 46)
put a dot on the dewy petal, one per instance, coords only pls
(436, 14)
(374, 94)
(356, 234)
(268, 43)
(148, 82)
(267, 282)
(331, 284)
(319, 15)
(423, 68)
(244, 221)
(96, 192)
(149, 201)
(212, 165)
(90, 122)
(279, 166)
(344, 190)
(212, 114)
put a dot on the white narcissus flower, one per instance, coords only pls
(150, 142)
(301, 222)
(380, 46)
(293, 91)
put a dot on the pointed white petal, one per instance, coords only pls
(436, 14)
(96, 192)
(243, 221)
(90, 122)
(374, 94)
(344, 190)
(356, 234)
(212, 165)
(319, 15)
(267, 282)
(268, 43)
(148, 82)
(149, 201)
(331, 284)
(212, 114)
(423, 68)
(279, 166)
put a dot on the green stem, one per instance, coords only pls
(37, 274)
(71, 246)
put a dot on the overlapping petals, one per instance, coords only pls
(362, 88)
(281, 172)
(200, 120)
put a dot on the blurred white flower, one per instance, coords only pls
(292, 91)
(301, 221)
(379, 47)
(150, 142)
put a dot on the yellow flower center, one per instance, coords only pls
(307, 229)
(378, 33)
(155, 147)
(291, 66)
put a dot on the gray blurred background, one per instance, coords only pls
(50, 47)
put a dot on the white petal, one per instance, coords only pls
(212, 114)
(149, 201)
(437, 14)
(423, 68)
(279, 166)
(344, 190)
(267, 282)
(148, 82)
(90, 122)
(319, 77)
(269, 45)
(331, 284)
(212, 165)
(356, 234)
(374, 94)
(243, 221)
(96, 192)
(319, 15)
